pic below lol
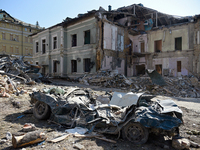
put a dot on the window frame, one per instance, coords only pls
(177, 41)
(36, 46)
(87, 33)
(43, 45)
(73, 40)
(55, 42)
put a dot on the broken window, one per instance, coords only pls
(178, 66)
(159, 69)
(74, 65)
(87, 37)
(43, 46)
(142, 47)
(36, 47)
(54, 42)
(74, 40)
(178, 43)
(158, 45)
(55, 66)
(87, 64)
(3, 36)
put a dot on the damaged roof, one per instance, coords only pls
(145, 13)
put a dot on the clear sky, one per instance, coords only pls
(51, 12)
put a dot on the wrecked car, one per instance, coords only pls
(132, 115)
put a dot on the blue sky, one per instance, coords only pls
(51, 12)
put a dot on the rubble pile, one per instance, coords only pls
(106, 79)
(9, 88)
(175, 86)
(17, 68)
(183, 86)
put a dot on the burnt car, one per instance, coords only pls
(132, 115)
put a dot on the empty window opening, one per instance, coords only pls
(178, 43)
(142, 47)
(43, 46)
(74, 40)
(178, 66)
(159, 69)
(55, 63)
(74, 65)
(54, 42)
(140, 69)
(158, 46)
(36, 63)
(36, 47)
(87, 37)
(87, 64)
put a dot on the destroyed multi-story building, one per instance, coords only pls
(14, 36)
(128, 40)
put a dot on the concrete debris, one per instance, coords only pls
(155, 84)
(79, 146)
(29, 127)
(106, 79)
(180, 143)
(17, 68)
(9, 88)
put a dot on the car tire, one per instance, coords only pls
(135, 133)
(41, 110)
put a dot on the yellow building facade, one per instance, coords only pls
(14, 36)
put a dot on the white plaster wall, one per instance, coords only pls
(107, 36)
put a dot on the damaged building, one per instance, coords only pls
(128, 40)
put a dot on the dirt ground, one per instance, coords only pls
(12, 120)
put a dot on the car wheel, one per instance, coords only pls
(41, 110)
(135, 133)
